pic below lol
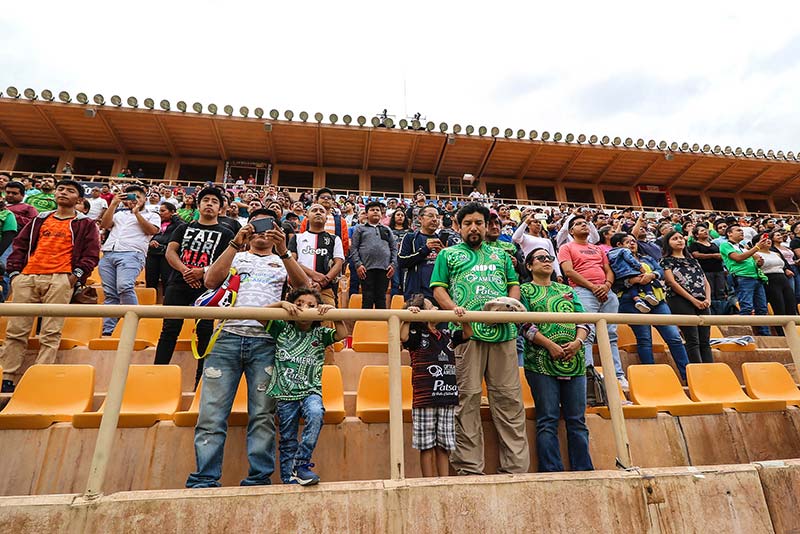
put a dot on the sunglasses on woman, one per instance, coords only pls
(544, 258)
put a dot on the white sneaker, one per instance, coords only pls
(623, 382)
(641, 306)
(651, 300)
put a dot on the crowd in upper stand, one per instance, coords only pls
(457, 254)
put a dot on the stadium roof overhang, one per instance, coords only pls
(37, 124)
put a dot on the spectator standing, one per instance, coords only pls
(417, 257)
(780, 294)
(51, 254)
(67, 168)
(706, 252)
(188, 209)
(398, 224)
(153, 201)
(244, 347)
(528, 236)
(319, 253)
(190, 253)
(413, 212)
(588, 271)
(97, 205)
(555, 368)
(23, 214)
(375, 257)
(748, 278)
(335, 224)
(465, 277)
(688, 293)
(156, 267)
(106, 194)
(44, 200)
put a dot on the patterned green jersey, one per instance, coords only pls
(556, 298)
(505, 246)
(42, 201)
(474, 277)
(298, 360)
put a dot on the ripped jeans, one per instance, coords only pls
(233, 355)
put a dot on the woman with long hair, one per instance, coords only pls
(398, 224)
(188, 209)
(688, 293)
(780, 294)
(706, 252)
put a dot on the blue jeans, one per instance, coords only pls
(289, 413)
(644, 335)
(397, 282)
(752, 295)
(118, 271)
(554, 396)
(793, 281)
(5, 283)
(233, 355)
(592, 305)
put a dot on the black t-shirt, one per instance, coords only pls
(433, 365)
(232, 224)
(794, 244)
(708, 265)
(199, 245)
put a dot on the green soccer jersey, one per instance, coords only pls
(555, 298)
(505, 246)
(42, 201)
(298, 360)
(474, 277)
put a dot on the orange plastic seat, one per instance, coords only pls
(372, 398)
(527, 398)
(354, 303)
(371, 336)
(333, 394)
(629, 411)
(185, 336)
(715, 382)
(716, 333)
(76, 332)
(3, 326)
(658, 385)
(770, 380)
(147, 334)
(140, 278)
(152, 393)
(94, 278)
(238, 416)
(397, 302)
(626, 340)
(47, 394)
(146, 295)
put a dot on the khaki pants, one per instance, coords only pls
(35, 289)
(497, 362)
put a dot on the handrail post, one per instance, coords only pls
(793, 339)
(108, 424)
(395, 401)
(612, 389)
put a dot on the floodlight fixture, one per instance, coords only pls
(581, 138)
(347, 119)
(639, 143)
(64, 97)
(132, 102)
(12, 92)
(181, 105)
(706, 148)
(403, 124)
(228, 109)
(592, 139)
(430, 126)
(605, 140)
(662, 145)
(99, 100)
(790, 155)
(470, 129)
(303, 115)
(375, 122)
(482, 130)
(673, 146)
(779, 154)
(47, 95)
(267, 127)
(651, 144)
(212, 108)
(557, 136)
(749, 152)
(149, 103)
(508, 132)
(197, 107)
(616, 141)
(389, 122)
(760, 153)
(569, 138)
(628, 142)
(520, 134)
(739, 151)
(244, 111)
(82, 98)
(717, 149)
(771, 154)
(495, 131)
(333, 117)
(456, 128)
(164, 104)
(274, 114)
(289, 114)
(545, 136)
(116, 100)
(30, 94)
(361, 120)
(533, 134)
(415, 124)
(728, 150)
(443, 127)
(317, 116)
(259, 113)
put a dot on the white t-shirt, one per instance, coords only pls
(262, 285)
(171, 200)
(127, 235)
(96, 207)
(152, 208)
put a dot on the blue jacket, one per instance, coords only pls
(623, 263)
(417, 260)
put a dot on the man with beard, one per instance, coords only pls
(44, 200)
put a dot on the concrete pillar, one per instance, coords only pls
(9, 160)
(319, 178)
(63, 159)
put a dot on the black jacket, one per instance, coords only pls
(164, 237)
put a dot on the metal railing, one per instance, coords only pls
(132, 314)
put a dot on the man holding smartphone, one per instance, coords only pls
(125, 249)
(193, 248)
(418, 253)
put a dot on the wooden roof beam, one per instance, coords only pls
(319, 146)
(412, 154)
(486, 157)
(529, 162)
(675, 180)
(8, 138)
(367, 146)
(111, 132)
(749, 181)
(647, 171)
(608, 168)
(569, 166)
(786, 182)
(165, 136)
(725, 171)
(66, 143)
(442, 155)
(218, 138)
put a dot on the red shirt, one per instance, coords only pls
(588, 261)
(108, 197)
(23, 213)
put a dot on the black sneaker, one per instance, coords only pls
(8, 386)
(304, 476)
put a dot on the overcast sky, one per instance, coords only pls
(722, 73)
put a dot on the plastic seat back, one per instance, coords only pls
(146, 295)
(372, 398)
(47, 394)
(626, 339)
(147, 334)
(716, 333)
(371, 336)
(354, 303)
(770, 380)
(333, 394)
(185, 336)
(397, 302)
(713, 382)
(77, 331)
(655, 385)
(238, 415)
(3, 326)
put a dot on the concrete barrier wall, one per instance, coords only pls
(738, 498)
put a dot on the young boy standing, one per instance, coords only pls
(374, 254)
(433, 379)
(297, 381)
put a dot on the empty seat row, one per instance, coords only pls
(355, 300)
(48, 394)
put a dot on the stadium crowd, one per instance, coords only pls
(464, 254)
